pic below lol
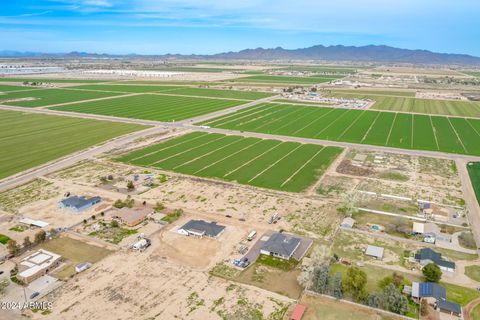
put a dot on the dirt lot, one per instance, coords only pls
(145, 285)
(306, 215)
(199, 253)
(422, 178)
(330, 309)
(275, 280)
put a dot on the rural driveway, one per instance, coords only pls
(470, 198)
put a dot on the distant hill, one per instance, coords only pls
(370, 53)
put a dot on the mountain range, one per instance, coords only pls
(370, 53)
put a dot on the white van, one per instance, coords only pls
(251, 235)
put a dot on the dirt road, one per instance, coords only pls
(470, 199)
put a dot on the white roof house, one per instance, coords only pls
(374, 251)
(37, 264)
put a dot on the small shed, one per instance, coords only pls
(374, 251)
(418, 228)
(82, 267)
(347, 223)
(35, 223)
(298, 312)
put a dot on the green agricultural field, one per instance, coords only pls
(196, 69)
(125, 88)
(153, 107)
(472, 73)
(286, 79)
(322, 69)
(361, 93)
(399, 130)
(301, 102)
(270, 164)
(404, 101)
(46, 97)
(233, 94)
(428, 106)
(46, 80)
(474, 173)
(29, 140)
(7, 88)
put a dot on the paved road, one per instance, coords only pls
(470, 199)
(227, 111)
(187, 124)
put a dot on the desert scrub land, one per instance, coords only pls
(31, 192)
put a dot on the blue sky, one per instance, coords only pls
(211, 26)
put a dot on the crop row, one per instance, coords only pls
(270, 164)
(400, 130)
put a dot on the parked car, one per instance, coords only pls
(34, 295)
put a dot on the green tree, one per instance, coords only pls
(26, 242)
(114, 224)
(12, 247)
(396, 279)
(432, 272)
(320, 280)
(355, 282)
(394, 300)
(373, 300)
(40, 236)
(130, 185)
(159, 206)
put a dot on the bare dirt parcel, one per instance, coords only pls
(270, 164)
(28, 140)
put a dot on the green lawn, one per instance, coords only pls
(153, 107)
(460, 295)
(475, 313)
(277, 262)
(399, 130)
(331, 309)
(45, 97)
(474, 173)
(29, 140)
(75, 252)
(473, 272)
(4, 239)
(270, 164)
